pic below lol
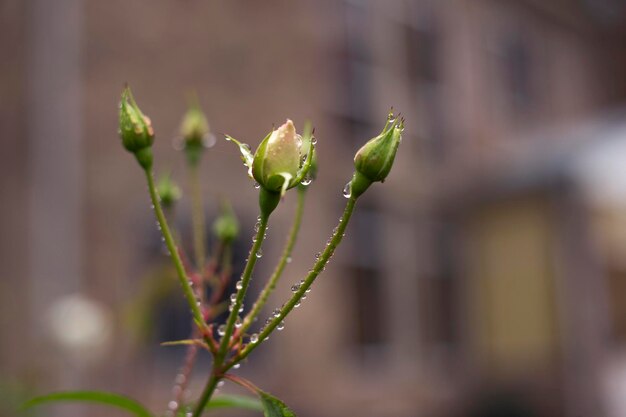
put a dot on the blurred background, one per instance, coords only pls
(485, 278)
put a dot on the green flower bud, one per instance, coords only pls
(277, 158)
(226, 226)
(277, 165)
(193, 129)
(375, 159)
(135, 130)
(169, 192)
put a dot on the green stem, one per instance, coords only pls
(319, 266)
(218, 360)
(171, 246)
(208, 391)
(245, 282)
(280, 267)
(197, 218)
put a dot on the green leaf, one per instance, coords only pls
(246, 153)
(185, 342)
(273, 407)
(235, 401)
(98, 397)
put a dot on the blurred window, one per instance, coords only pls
(355, 63)
(440, 292)
(516, 67)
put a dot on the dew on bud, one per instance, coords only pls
(347, 190)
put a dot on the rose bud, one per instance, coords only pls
(226, 226)
(194, 129)
(277, 164)
(374, 160)
(135, 130)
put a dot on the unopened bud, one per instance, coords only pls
(169, 192)
(135, 130)
(375, 159)
(277, 164)
(226, 226)
(277, 158)
(194, 128)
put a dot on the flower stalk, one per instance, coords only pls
(280, 267)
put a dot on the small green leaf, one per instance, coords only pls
(98, 397)
(235, 401)
(273, 407)
(186, 342)
(246, 153)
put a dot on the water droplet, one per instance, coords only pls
(317, 256)
(239, 284)
(221, 330)
(241, 308)
(228, 138)
(276, 312)
(303, 297)
(180, 379)
(308, 290)
(172, 405)
(208, 140)
(254, 239)
(237, 366)
(347, 190)
(233, 297)
(314, 140)
(238, 322)
(259, 253)
(288, 259)
(295, 287)
(306, 181)
(296, 305)
(254, 338)
(280, 326)
(220, 384)
(256, 226)
(257, 185)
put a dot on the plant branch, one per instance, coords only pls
(318, 267)
(245, 282)
(280, 267)
(171, 246)
(197, 218)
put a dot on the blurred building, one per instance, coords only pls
(485, 277)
